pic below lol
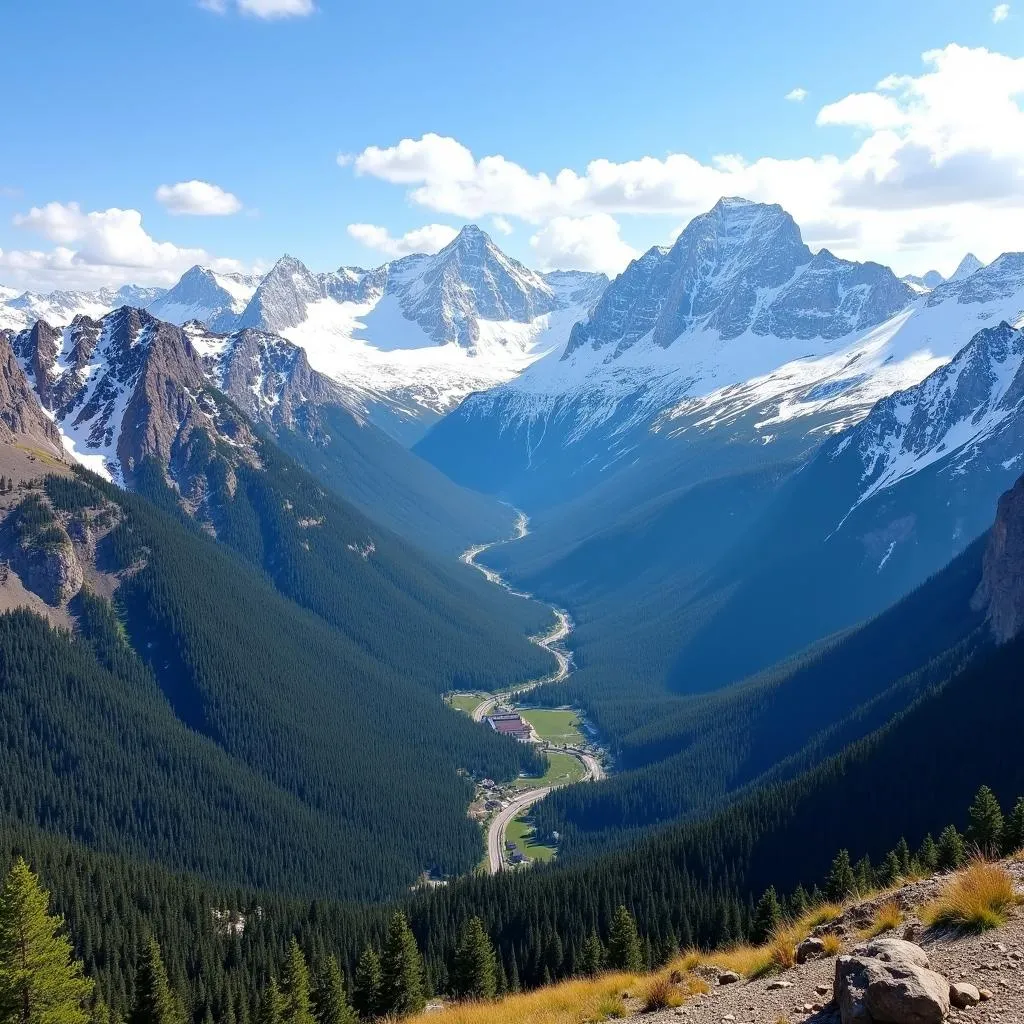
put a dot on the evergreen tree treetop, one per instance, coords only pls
(625, 952)
(40, 982)
(155, 1002)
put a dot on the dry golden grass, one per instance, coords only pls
(887, 917)
(833, 944)
(578, 1001)
(662, 993)
(976, 899)
(824, 913)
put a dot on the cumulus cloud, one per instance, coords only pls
(98, 248)
(198, 198)
(797, 95)
(266, 9)
(582, 243)
(944, 144)
(502, 225)
(1000, 13)
(429, 239)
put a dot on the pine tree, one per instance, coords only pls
(474, 969)
(902, 853)
(624, 950)
(889, 873)
(366, 986)
(799, 902)
(951, 849)
(296, 1006)
(986, 828)
(155, 1002)
(864, 874)
(928, 854)
(767, 915)
(401, 970)
(271, 1004)
(40, 983)
(1013, 833)
(329, 1003)
(841, 882)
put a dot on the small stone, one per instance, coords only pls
(728, 978)
(962, 995)
(810, 949)
(822, 990)
(1000, 947)
(774, 986)
(985, 994)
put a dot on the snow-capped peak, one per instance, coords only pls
(203, 294)
(968, 265)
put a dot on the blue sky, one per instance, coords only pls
(108, 101)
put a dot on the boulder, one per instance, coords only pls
(810, 949)
(895, 951)
(889, 981)
(962, 995)
(728, 978)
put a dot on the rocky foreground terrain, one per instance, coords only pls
(929, 973)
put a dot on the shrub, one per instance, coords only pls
(661, 994)
(977, 899)
(887, 917)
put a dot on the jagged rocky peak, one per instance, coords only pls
(283, 296)
(469, 279)
(1001, 591)
(268, 377)
(1002, 278)
(202, 294)
(741, 267)
(970, 409)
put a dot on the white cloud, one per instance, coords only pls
(797, 95)
(582, 243)
(199, 198)
(1000, 13)
(502, 225)
(102, 247)
(430, 238)
(944, 145)
(266, 9)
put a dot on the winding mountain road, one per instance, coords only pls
(554, 643)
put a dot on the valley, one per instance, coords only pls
(571, 755)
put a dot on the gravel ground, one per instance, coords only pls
(993, 961)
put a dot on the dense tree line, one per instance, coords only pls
(286, 750)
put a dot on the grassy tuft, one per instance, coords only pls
(833, 944)
(823, 913)
(662, 994)
(978, 898)
(887, 917)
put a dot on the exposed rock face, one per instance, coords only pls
(20, 412)
(742, 266)
(1001, 591)
(215, 299)
(889, 982)
(127, 388)
(268, 378)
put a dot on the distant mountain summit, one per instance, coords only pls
(741, 267)
(59, 308)
(201, 294)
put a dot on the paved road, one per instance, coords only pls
(500, 822)
(554, 643)
(496, 830)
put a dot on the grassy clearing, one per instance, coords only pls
(562, 770)
(557, 727)
(520, 832)
(976, 899)
(465, 702)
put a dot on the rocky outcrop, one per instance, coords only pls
(40, 551)
(20, 413)
(1001, 591)
(889, 981)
